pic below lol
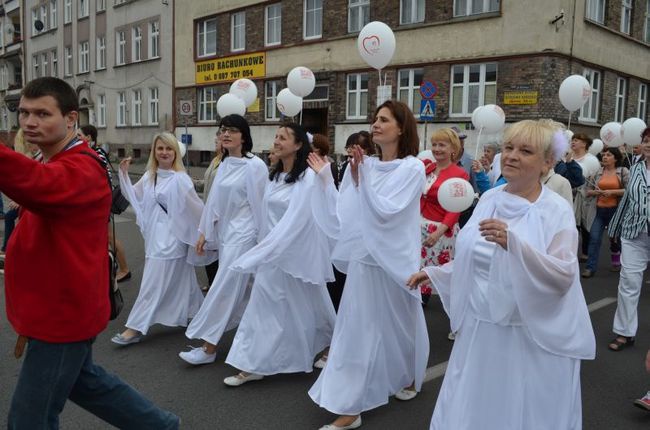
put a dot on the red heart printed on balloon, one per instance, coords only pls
(371, 44)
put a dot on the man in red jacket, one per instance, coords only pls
(56, 271)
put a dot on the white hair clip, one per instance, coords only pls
(310, 138)
(560, 145)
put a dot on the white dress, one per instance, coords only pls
(380, 343)
(521, 317)
(230, 223)
(169, 292)
(290, 317)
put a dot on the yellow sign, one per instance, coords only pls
(520, 97)
(255, 107)
(228, 69)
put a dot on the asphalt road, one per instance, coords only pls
(609, 384)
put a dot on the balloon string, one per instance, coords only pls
(478, 143)
(301, 116)
(568, 127)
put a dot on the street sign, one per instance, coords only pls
(187, 109)
(186, 139)
(427, 110)
(428, 90)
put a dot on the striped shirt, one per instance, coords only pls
(631, 217)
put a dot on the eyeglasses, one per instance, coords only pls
(230, 130)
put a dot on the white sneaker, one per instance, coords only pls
(197, 356)
(239, 379)
(355, 425)
(320, 363)
(452, 335)
(405, 394)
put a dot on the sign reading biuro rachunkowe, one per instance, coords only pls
(228, 69)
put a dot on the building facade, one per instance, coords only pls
(117, 54)
(11, 67)
(514, 54)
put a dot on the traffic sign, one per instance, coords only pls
(428, 90)
(187, 109)
(186, 139)
(427, 110)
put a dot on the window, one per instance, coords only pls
(101, 110)
(596, 11)
(472, 85)
(67, 65)
(120, 47)
(55, 64)
(67, 11)
(313, 19)
(271, 90)
(589, 111)
(207, 104)
(408, 90)
(357, 96)
(100, 53)
(136, 44)
(4, 119)
(53, 15)
(238, 31)
(121, 109)
(642, 106)
(358, 15)
(206, 38)
(411, 11)
(621, 87)
(321, 93)
(44, 17)
(35, 69)
(101, 5)
(4, 77)
(84, 57)
(136, 109)
(646, 32)
(475, 7)
(83, 8)
(154, 40)
(273, 19)
(626, 16)
(35, 17)
(44, 64)
(153, 106)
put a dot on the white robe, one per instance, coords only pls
(380, 343)
(169, 292)
(521, 317)
(290, 317)
(230, 222)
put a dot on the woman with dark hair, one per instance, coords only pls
(583, 205)
(321, 145)
(361, 139)
(380, 344)
(608, 187)
(289, 318)
(230, 224)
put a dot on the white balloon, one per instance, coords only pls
(491, 118)
(288, 103)
(376, 44)
(574, 92)
(229, 104)
(631, 131)
(475, 116)
(456, 195)
(568, 134)
(610, 133)
(182, 148)
(596, 147)
(590, 166)
(426, 155)
(301, 81)
(245, 89)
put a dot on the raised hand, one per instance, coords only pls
(316, 162)
(124, 164)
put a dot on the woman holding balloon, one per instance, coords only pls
(584, 206)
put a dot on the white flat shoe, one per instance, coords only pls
(121, 340)
(320, 363)
(355, 425)
(405, 394)
(198, 356)
(239, 379)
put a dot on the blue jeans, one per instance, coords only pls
(10, 222)
(54, 372)
(603, 216)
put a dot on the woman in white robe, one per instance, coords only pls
(515, 301)
(167, 211)
(290, 317)
(380, 344)
(230, 223)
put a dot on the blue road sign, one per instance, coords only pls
(428, 90)
(186, 139)
(427, 110)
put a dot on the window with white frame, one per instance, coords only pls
(101, 5)
(357, 96)
(35, 17)
(136, 108)
(67, 11)
(411, 11)
(35, 67)
(136, 44)
(4, 77)
(646, 28)
(44, 17)
(84, 57)
(53, 15)
(120, 47)
(45, 70)
(238, 31)
(101, 110)
(121, 109)
(596, 11)
(621, 91)
(642, 105)
(589, 111)
(358, 15)
(273, 28)
(4, 119)
(153, 47)
(408, 90)
(271, 90)
(312, 19)
(206, 37)
(153, 106)
(83, 8)
(626, 16)
(100, 51)
(472, 85)
(67, 61)
(55, 64)
(207, 104)
(475, 7)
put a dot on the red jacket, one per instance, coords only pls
(429, 206)
(56, 267)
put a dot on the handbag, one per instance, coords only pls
(114, 293)
(119, 203)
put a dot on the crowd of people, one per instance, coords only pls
(317, 265)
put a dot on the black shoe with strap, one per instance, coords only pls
(621, 342)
